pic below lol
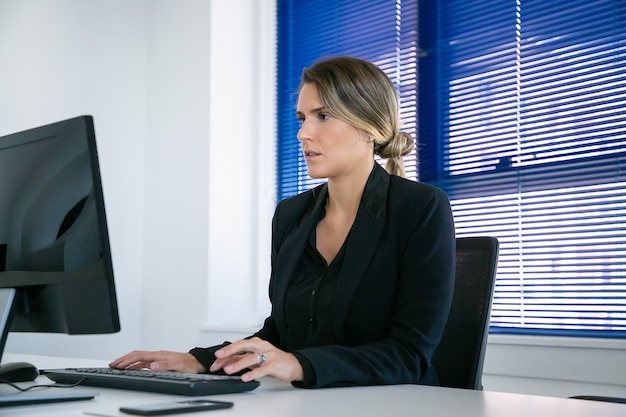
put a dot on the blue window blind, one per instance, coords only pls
(523, 124)
(521, 121)
(383, 31)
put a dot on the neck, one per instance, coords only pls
(344, 194)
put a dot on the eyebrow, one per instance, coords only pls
(316, 110)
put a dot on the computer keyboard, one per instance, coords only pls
(152, 381)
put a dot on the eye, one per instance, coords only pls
(324, 116)
(300, 119)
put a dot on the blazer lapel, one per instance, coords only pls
(364, 237)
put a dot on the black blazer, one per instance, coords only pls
(394, 289)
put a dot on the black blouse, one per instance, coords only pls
(310, 297)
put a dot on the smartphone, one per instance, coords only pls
(173, 407)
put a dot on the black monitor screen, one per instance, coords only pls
(54, 245)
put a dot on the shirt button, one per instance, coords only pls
(313, 292)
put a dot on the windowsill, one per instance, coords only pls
(556, 341)
(205, 328)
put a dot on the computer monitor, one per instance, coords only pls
(56, 274)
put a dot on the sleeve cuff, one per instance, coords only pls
(307, 371)
(206, 356)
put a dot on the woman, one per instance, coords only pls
(362, 266)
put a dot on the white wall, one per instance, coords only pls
(181, 90)
(64, 58)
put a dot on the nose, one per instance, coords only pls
(304, 132)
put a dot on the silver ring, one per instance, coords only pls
(259, 358)
(263, 359)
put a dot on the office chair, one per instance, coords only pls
(460, 354)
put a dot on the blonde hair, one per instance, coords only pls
(362, 95)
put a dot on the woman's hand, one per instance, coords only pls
(161, 360)
(263, 358)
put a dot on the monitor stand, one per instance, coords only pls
(9, 396)
(7, 297)
(18, 371)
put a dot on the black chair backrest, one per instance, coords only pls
(460, 355)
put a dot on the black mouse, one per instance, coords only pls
(18, 372)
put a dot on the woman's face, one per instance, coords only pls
(331, 148)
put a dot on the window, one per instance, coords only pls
(528, 138)
(521, 121)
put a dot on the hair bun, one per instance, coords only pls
(407, 140)
(401, 144)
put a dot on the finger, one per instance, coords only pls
(115, 363)
(258, 371)
(228, 364)
(220, 363)
(242, 346)
(122, 362)
(225, 358)
(130, 364)
(127, 361)
(246, 361)
(134, 358)
(163, 366)
(253, 374)
(169, 365)
(138, 365)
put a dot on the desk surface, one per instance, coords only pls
(277, 399)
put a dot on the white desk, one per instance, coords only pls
(276, 399)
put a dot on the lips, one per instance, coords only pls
(310, 154)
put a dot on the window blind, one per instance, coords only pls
(523, 124)
(383, 31)
(521, 121)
